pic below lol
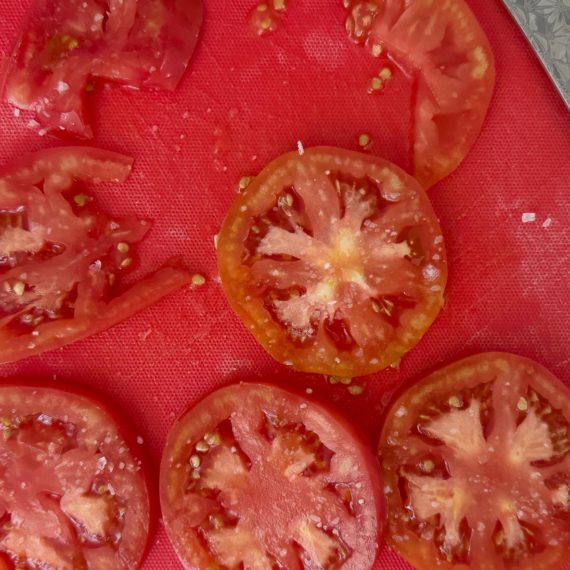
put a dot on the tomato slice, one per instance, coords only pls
(442, 47)
(73, 493)
(257, 477)
(69, 43)
(476, 460)
(61, 260)
(334, 260)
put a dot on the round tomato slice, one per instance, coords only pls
(61, 260)
(257, 477)
(334, 260)
(73, 494)
(443, 48)
(476, 460)
(67, 43)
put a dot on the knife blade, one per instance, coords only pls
(546, 25)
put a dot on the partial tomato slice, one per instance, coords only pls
(442, 47)
(61, 260)
(73, 494)
(67, 43)
(259, 478)
(476, 460)
(334, 260)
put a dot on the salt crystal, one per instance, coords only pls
(547, 223)
(300, 148)
(528, 217)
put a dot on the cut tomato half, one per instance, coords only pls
(61, 260)
(73, 492)
(334, 260)
(257, 477)
(68, 43)
(442, 48)
(476, 460)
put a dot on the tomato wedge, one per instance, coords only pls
(476, 460)
(61, 260)
(257, 477)
(73, 493)
(68, 43)
(442, 47)
(334, 260)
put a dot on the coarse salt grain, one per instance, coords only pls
(300, 148)
(528, 217)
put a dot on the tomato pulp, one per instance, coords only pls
(258, 477)
(443, 49)
(476, 461)
(73, 492)
(68, 43)
(61, 260)
(334, 260)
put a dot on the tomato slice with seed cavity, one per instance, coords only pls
(69, 43)
(334, 260)
(73, 492)
(61, 259)
(442, 48)
(257, 477)
(476, 460)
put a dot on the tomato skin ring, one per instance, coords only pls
(203, 417)
(449, 392)
(98, 403)
(258, 198)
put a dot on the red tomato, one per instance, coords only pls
(257, 477)
(334, 260)
(67, 43)
(443, 48)
(60, 259)
(476, 461)
(73, 494)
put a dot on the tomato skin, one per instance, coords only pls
(238, 278)
(64, 400)
(82, 239)
(182, 511)
(446, 52)
(66, 44)
(396, 453)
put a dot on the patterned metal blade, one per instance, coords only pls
(546, 24)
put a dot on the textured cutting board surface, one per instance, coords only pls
(247, 100)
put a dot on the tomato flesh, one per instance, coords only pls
(443, 49)
(67, 44)
(258, 477)
(73, 495)
(334, 260)
(476, 459)
(61, 260)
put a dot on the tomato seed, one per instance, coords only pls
(195, 461)
(244, 182)
(123, 247)
(522, 404)
(364, 140)
(19, 288)
(126, 262)
(454, 402)
(198, 280)
(355, 390)
(376, 50)
(202, 447)
(279, 5)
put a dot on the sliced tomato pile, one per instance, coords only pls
(61, 260)
(334, 260)
(442, 47)
(476, 460)
(257, 477)
(73, 495)
(68, 43)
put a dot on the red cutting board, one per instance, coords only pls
(247, 100)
